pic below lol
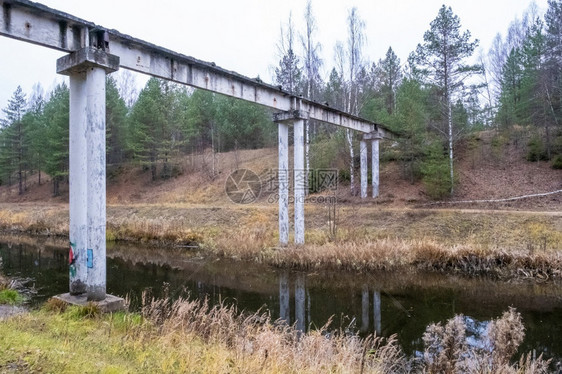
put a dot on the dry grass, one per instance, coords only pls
(447, 350)
(192, 336)
(257, 344)
(495, 244)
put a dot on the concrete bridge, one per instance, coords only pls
(94, 51)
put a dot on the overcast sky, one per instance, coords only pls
(241, 35)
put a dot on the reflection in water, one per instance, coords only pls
(284, 298)
(407, 303)
(365, 310)
(300, 300)
(377, 311)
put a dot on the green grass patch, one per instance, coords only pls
(65, 343)
(10, 297)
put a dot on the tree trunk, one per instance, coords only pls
(20, 180)
(306, 157)
(153, 166)
(450, 120)
(56, 186)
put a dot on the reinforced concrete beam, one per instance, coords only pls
(35, 23)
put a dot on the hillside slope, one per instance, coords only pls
(485, 170)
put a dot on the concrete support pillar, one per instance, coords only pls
(299, 176)
(78, 185)
(377, 312)
(375, 167)
(284, 298)
(95, 135)
(300, 302)
(283, 175)
(87, 69)
(364, 167)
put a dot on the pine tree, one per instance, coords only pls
(56, 117)
(115, 118)
(201, 124)
(242, 125)
(144, 126)
(410, 119)
(553, 72)
(510, 97)
(390, 75)
(37, 132)
(15, 157)
(334, 91)
(288, 74)
(441, 60)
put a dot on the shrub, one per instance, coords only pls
(90, 310)
(436, 174)
(446, 348)
(557, 162)
(536, 150)
(10, 297)
(55, 305)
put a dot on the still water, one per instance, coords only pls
(387, 303)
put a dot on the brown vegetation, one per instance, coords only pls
(447, 350)
(192, 210)
(497, 244)
(192, 336)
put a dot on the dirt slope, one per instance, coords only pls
(485, 171)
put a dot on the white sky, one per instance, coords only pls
(241, 35)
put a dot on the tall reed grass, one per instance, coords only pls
(249, 233)
(258, 344)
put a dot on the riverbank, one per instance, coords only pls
(191, 336)
(362, 237)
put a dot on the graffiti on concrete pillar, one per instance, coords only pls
(72, 260)
(90, 259)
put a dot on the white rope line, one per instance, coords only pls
(494, 200)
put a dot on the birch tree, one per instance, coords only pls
(354, 52)
(312, 64)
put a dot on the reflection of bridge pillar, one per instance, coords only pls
(364, 308)
(283, 175)
(88, 68)
(300, 299)
(377, 311)
(284, 298)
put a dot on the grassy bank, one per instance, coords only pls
(190, 336)
(361, 238)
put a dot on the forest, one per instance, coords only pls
(445, 92)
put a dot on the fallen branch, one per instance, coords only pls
(494, 200)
